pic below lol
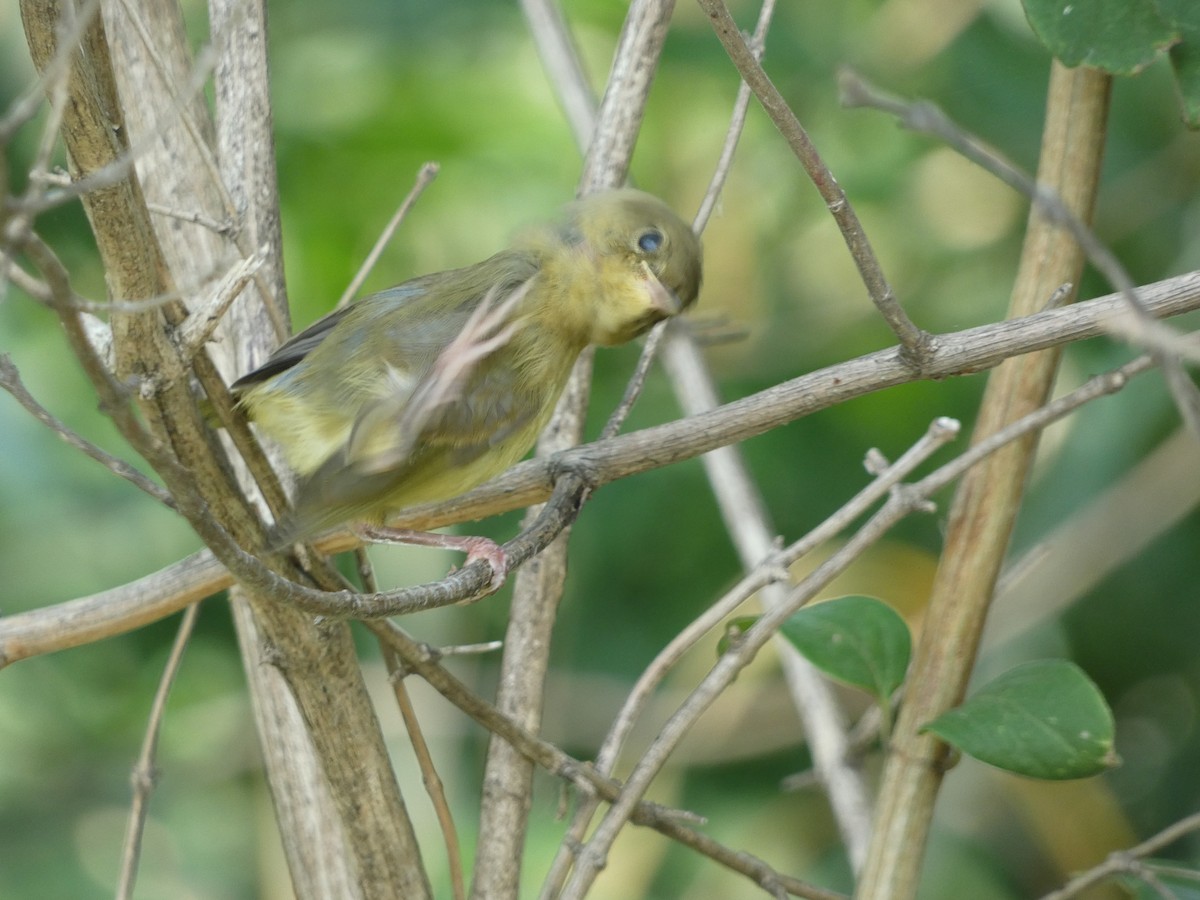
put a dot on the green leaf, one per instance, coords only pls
(1119, 36)
(1182, 881)
(859, 640)
(1043, 719)
(734, 629)
(1185, 56)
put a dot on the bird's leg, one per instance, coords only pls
(475, 547)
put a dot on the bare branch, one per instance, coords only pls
(912, 338)
(429, 776)
(10, 380)
(423, 660)
(120, 609)
(538, 589)
(926, 118)
(748, 523)
(737, 122)
(145, 771)
(594, 853)
(979, 527)
(637, 381)
(425, 176)
(902, 501)
(1118, 863)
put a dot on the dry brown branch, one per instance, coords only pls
(508, 778)
(1127, 860)
(976, 349)
(382, 858)
(424, 661)
(145, 772)
(986, 503)
(912, 338)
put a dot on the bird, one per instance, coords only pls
(427, 389)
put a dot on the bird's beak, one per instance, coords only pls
(662, 298)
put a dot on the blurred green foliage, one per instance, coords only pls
(366, 91)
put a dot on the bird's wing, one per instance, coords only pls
(469, 440)
(392, 459)
(303, 343)
(464, 399)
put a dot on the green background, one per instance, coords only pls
(366, 91)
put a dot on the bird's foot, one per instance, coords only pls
(475, 547)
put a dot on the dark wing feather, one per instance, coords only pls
(298, 346)
(293, 350)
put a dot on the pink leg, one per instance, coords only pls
(475, 547)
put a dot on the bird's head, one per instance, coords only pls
(638, 262)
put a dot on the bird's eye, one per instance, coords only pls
(650, 241)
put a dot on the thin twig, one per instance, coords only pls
(145, 772)
(10, 380)
(423, 660)
(772, 570)
(1092, 389)
(34, 287)
(120, 609)
(1150, 333)
(925, 117)
(225, 229)
(25, 107)
(1118, 862)
(737, 123)
(429, 775)
(427, 173)
(397, 671)
(637, 381)
(902, 501)
(912, 338)
(593, 854)
(744, 511)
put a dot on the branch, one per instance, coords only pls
(10, 380)
(912, 338)
(959, 353)
(986, 502)
(1126, 860)
(145, 772)
(508, 779)
(425, 661)
(1048, 198)
(427, 173)
(903, 500)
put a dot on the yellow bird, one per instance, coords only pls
(426, 390)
